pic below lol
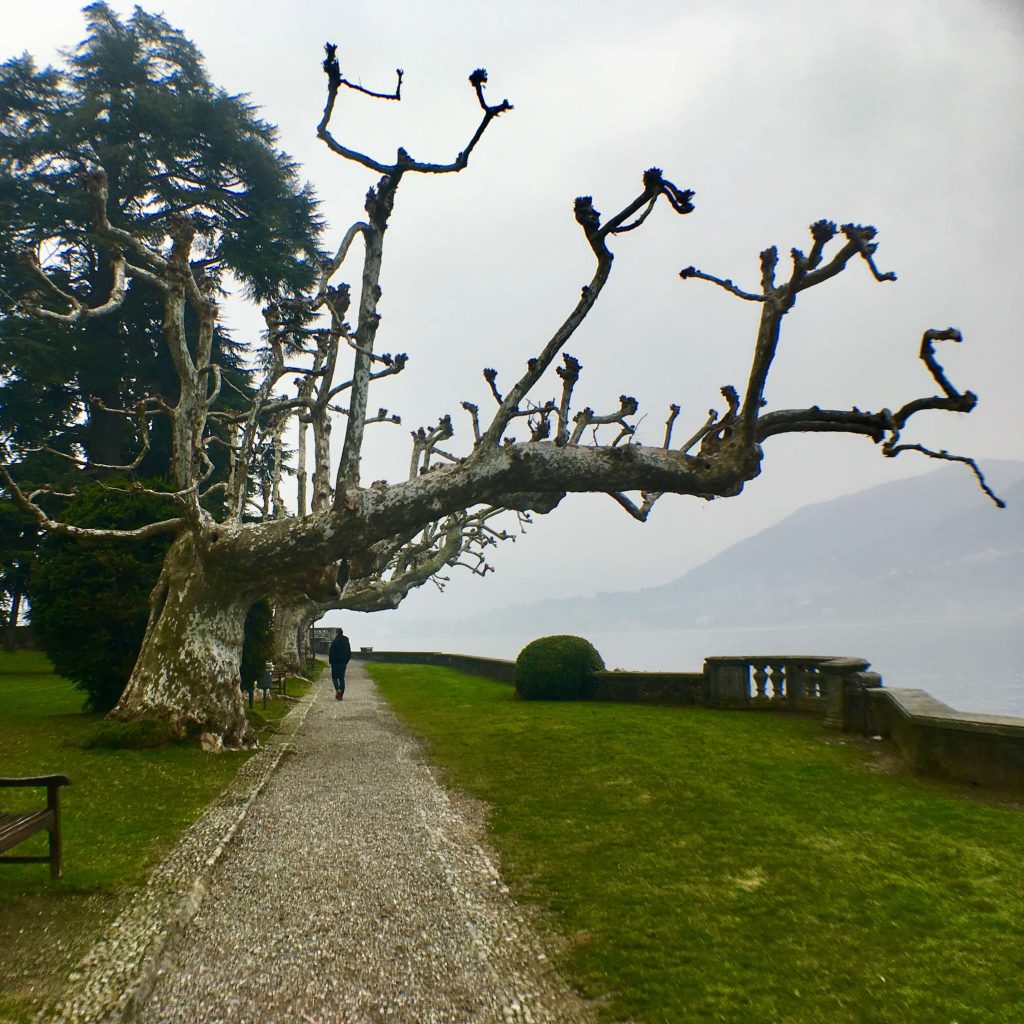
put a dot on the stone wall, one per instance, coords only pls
(490, 668)
(652, 687)
(935, 739)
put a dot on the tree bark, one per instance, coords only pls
(303, 640)
(187, 673)
(290, 617)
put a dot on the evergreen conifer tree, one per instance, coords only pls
(135, 99)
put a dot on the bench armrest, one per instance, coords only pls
(35, 780)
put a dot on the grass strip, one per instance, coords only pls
(735, 867)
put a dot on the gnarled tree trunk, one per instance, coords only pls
(187, 673)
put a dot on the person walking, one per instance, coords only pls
(339, 654)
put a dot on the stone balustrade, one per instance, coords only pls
(813, 684)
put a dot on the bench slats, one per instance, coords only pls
(15, 828)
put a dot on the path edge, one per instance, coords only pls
(115, 979)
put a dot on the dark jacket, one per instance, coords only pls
(340, 651)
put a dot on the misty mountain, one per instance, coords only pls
(932, 547)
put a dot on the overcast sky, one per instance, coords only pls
(902, 114)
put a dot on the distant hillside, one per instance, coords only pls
(931, 547)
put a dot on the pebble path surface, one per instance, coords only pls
(357, 891)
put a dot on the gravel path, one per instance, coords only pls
(355, 891)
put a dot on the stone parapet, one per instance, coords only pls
(935, 739)
(652, 687)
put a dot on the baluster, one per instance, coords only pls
(760, 676)
(778, 681)
(811, 682)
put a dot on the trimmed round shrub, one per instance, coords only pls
(557, 668)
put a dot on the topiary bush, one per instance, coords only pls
(557, 668)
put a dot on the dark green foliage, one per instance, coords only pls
(90, 598)
(142, 735)
(557, 668)
(134, 98)
(259, 643)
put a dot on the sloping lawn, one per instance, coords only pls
(735, 867)
(121, 813)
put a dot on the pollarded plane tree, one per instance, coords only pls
(218, 563)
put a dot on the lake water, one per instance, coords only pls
(972, 666)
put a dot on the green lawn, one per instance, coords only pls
(735, 867)
(121, 813)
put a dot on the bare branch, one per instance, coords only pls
(779, 300)
(655, 184)
(859, 243)
(360, 227)
(491, 376)
(588, 418)
(28, 506)
(570, 374)
(474, 412)
(885, 426)
(639, 512)
(894, 450)
(80, 312)
(669, 423)
(383, 416)
(404, 161)
(424, 445)
(335, 78)
(589, 219)
(702, 431)
(393, 365)
(687, 272)
(721, 429)
(95, 180)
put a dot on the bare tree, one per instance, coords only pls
(218, 563)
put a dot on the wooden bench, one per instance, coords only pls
(17, 826)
